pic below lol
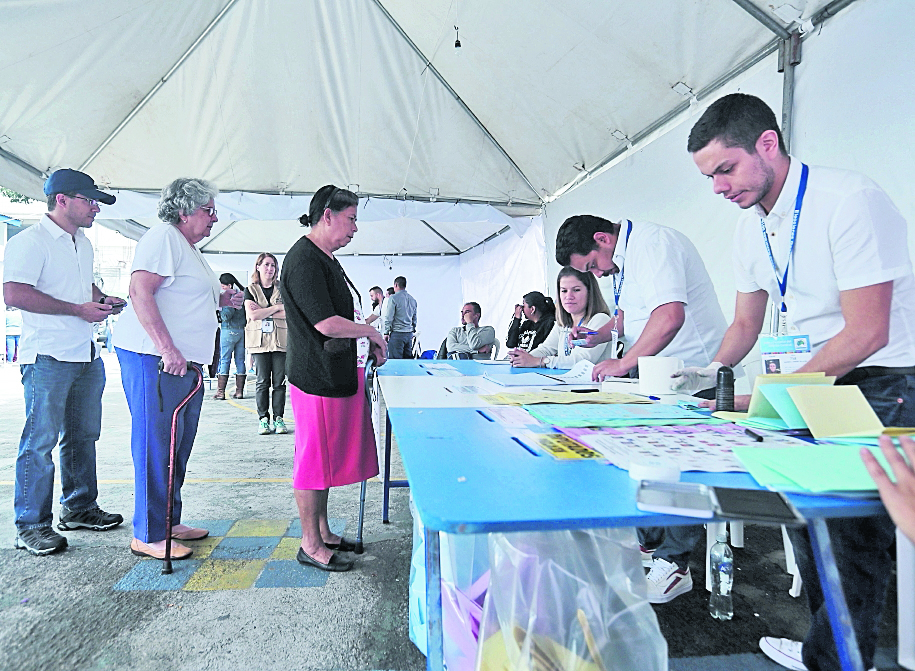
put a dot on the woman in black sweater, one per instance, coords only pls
(539, 313)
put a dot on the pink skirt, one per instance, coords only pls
(334, 439)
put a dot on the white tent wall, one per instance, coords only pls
(498, 273)
(434, 281)
(851, 111)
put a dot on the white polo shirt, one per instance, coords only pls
(48, 258)
(187, 300)
(662, 266)
(849, 235)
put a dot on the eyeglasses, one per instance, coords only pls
(209, 210)
(92, 202)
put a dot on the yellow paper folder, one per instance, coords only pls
(770, 405)
(836, 412)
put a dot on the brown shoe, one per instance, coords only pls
(239, 386)
(190, 534)
(221, 382)
(141, 549)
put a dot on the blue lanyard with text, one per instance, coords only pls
(618, 290)
(783, 282)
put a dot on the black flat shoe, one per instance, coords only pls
(343, 546)
(335, 564)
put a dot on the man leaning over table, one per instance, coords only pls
(663, 291)
(47, 274)
(828, 247)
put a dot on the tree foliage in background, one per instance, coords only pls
(15, 196)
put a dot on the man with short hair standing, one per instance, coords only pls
(828, 248)
(399, 319)
(470, 339)
(47, 274)
(377, 296)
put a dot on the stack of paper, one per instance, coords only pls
(582, 414)
(535, 397)
(521, 379)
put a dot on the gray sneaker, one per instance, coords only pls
(95, 519)
(40, 541)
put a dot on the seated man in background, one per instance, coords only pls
(470, 340)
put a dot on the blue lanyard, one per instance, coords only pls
(783, 282)
(618, 290)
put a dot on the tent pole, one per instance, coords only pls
(28, 167)
(763, 18)
(456, 97)
(429, 226)
(159, 84)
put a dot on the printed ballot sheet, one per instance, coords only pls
(701, 447)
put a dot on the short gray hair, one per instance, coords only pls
(184, 196)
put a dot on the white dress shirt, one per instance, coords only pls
(661, 266)
(849, 235)
(48, 258)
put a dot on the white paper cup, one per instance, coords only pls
(655, 372)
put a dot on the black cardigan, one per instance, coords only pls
(315, 288)
(533, 333)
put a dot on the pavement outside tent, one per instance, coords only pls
(243, 602)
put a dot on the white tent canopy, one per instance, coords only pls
(282, 96)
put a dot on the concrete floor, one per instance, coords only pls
(65, 611)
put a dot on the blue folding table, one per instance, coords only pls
(468, 476)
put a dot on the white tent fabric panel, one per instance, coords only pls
(282, 96)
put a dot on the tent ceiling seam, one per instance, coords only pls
(706, 91)
(454, 94)
(159, 84)
(762, 17)
(447, 241)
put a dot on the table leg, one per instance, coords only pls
(839, 617)
(435, 655)
(387, 466)
(905, 591)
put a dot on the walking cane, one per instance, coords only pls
(172, 448)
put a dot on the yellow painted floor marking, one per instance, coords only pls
(258, 528)
(216, 574)
(203, 547)
(286, 549)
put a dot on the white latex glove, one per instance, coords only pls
(693, 378)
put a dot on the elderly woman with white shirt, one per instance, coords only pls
(581, 303)
(171, 319)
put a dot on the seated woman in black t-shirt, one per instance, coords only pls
(539, 313)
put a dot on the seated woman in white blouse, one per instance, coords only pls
(580, 304)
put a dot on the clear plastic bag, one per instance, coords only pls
(568, 601)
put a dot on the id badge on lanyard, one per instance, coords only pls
(779, 351)
(617, 292)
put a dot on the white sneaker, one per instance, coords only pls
(646, 556)
(785, 652)
(666, 581)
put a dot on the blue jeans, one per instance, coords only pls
(400, 345)
(231, 341)
(860, 544)
(150, 438)
(63, 400)
(12, 347)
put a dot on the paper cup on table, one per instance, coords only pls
(650, 468)
(655, 372)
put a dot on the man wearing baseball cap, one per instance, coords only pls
(47, 274)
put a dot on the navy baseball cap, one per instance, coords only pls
(66, 180)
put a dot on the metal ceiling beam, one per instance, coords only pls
(447, 241)
(140, 105)
(830, 11)
(28, 167)
(763, 18)
(460, 101)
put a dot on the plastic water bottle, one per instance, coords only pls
(724, 389)
(721, 563)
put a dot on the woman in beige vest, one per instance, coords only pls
(265, 338)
